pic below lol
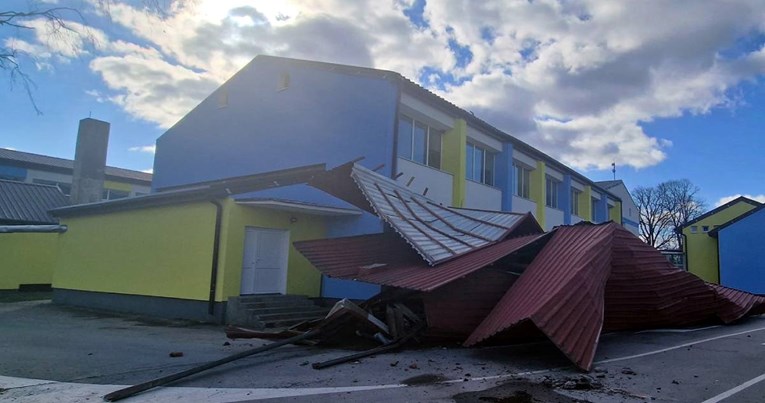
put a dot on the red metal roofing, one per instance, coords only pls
(561, 293)
(593, 277)
(386, 259)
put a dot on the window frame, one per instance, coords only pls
(575, 201)
(522, 188)
(552, 185)
(487, 175)
(428, 148)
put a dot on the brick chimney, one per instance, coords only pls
(89, 161)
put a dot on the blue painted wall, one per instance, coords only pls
(505, 178)
(740, 250)
(565, 199)
(322, 116)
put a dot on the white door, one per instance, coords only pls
(264, 266)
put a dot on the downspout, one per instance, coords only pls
(685, 250)
(216, 251)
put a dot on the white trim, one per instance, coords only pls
(524, 159)
(300, 208)
(485, 140)
(576, 185)
(414, 108)
(555, 174)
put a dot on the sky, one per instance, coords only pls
(663, 89)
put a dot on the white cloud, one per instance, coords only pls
(760, 198)
(576, 78)
(144, 149)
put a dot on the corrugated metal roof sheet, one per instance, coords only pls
(437, 232)
(561, 293)
(592, 277)
(28, 203)
(28, 159)
(385, 259)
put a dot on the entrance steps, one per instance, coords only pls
(271, 311)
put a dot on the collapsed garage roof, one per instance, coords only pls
(581, 279)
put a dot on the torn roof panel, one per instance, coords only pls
(593, 277)
(437, 232)
(385, 259)
(560, 292)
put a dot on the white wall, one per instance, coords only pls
(439, 183)
(553, 218)
(483, 197)
(521, 205)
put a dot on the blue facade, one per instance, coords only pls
(565, 199)
(740, 252)
(251, 125)
(276, 114)
(505, 178)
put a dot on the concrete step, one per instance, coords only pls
(287, 309)
(273, 317)
(272, 298)
(277, 304)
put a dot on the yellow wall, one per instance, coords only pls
(585, 203)
(161, 251)
(302, 277)
(125, 187)
(454, 160)
(27, 259)
(537, 191)
(616, 213)
(702, 248)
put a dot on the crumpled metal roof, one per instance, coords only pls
(438, 233)
(28, 203)
(593, 277)
(386, 259)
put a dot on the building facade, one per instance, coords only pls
(45, 170)
(279, 113)
(701, 246)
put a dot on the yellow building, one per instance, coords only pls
(701, 249)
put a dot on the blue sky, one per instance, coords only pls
(667, 90)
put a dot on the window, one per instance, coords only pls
(694, 229)
(419, 142)
(705, 228)
(480, 164)
(594, 207)
(575, 201)
(522, 180)
(552, 188)
(66, 188)
(111, 194)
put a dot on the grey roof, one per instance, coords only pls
(28, 203)
(436, 232)
(30, 160)
(195, 192)
(609, 184)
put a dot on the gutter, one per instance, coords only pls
(11, 229)
(215, 254)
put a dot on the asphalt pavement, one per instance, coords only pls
(59, 354)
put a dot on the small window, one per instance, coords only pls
(419, 142)
(575, 201)
(694, 229)
(705, 228)
(284, 81)
(594, 206)
(552, 187)
(479, 164)
(112, 194)
(522, 181)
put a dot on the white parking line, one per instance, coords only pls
(663, 350)
(677, 330)
(739, 388)
(51, 391)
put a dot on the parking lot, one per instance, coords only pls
(52, 353)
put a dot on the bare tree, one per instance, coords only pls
(655, 224)
(664, 209)
(683, 204)
(55, 21)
